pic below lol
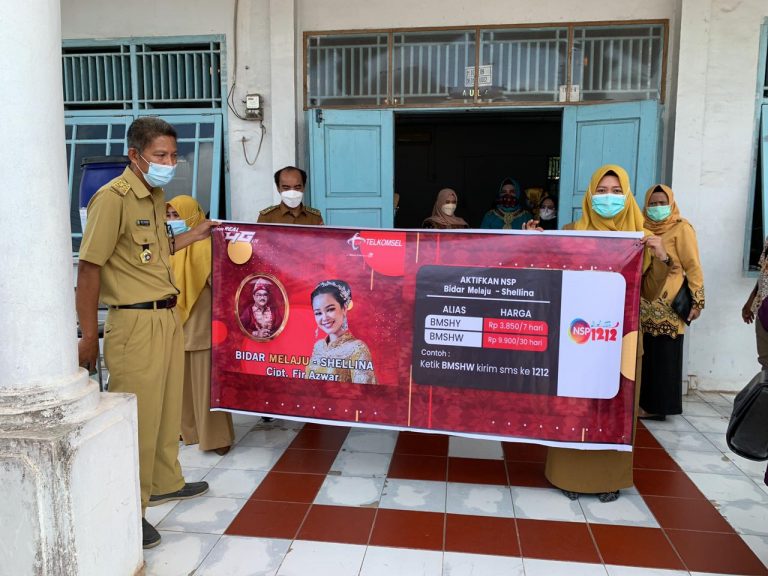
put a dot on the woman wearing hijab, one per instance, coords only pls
(608, 205)
(661, 393)
(510, 211)
(443, 212)
(192, 271)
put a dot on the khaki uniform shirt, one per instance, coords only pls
(281, 214)
(125, 234)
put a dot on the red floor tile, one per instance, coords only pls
(481, 535)
(635, 546)
(665, 483)
(268, 519)
(721, 553)
(408, 529)
(306, 461)
(644, 439)
(548, 540)
(687, 514)
(654, 459)
(326, 438)
(422, 444)
(338, 524)
(412, 467)
(289, 487)
(477, 471)
(518, 452)
(529, 474)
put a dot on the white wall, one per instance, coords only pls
(713, 167)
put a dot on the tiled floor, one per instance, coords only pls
(293, 499)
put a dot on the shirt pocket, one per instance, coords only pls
(145, 246)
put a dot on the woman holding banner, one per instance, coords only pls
(192, 270)
(608, 205)
(663, 329)
(340, 356)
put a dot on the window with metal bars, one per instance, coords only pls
(108, 84)
(486, 65)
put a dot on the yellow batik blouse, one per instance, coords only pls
(656, 315)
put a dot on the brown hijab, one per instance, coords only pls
(674, 217)
(440, 219)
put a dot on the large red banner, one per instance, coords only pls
(521, 336)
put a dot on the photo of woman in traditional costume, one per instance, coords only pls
(261, 307)
(339, 356)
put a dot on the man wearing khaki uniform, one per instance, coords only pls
(124, 262)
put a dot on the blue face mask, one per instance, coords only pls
(158, 175)
(608, 205)
(659, 213)
(177, 226)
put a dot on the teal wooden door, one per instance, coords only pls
(351, 166)
(626, 134)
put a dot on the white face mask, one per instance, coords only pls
(291, 198)
(546, 213)
(448, 209)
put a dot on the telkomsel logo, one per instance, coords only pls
(579, 331)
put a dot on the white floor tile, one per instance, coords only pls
(709, 462)
(693, 440)
(250, 458)
(729, 489)
(362, 464)
(479, 500)
(155, 514)
(322, 559)
(368, 440)
(628, 510)
(269, 437)
(241, 556)
(421, 495)
(226, 483)
(678, 423)
(241, 431)
(458, 564)
(759, 545)
(545, 504)
(202, 515)
(178, 554)
(380, 561)
(713, 398)
(459, 447)
(709, 424)
(746, 517)
(749, 467)
(350, 491)
(245, 419)
(634, 571)
(194, 474)
(191, 457)
(534, 567)
(699, 409)
(718, 441)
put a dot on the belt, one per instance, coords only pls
(156, 305)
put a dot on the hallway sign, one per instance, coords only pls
(522, 336)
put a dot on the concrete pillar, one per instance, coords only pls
(282, 69)
(68, 454)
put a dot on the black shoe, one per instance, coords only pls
(570, 495)
(608, 496)
(655, 417)
(190, 490)
(149, 536)
(267, 419)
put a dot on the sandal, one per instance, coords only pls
(570, 495)
(608, 496)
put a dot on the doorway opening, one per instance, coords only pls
(472, 152)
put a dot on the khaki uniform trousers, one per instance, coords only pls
(144, 353)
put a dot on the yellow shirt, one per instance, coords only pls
(125, 234)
